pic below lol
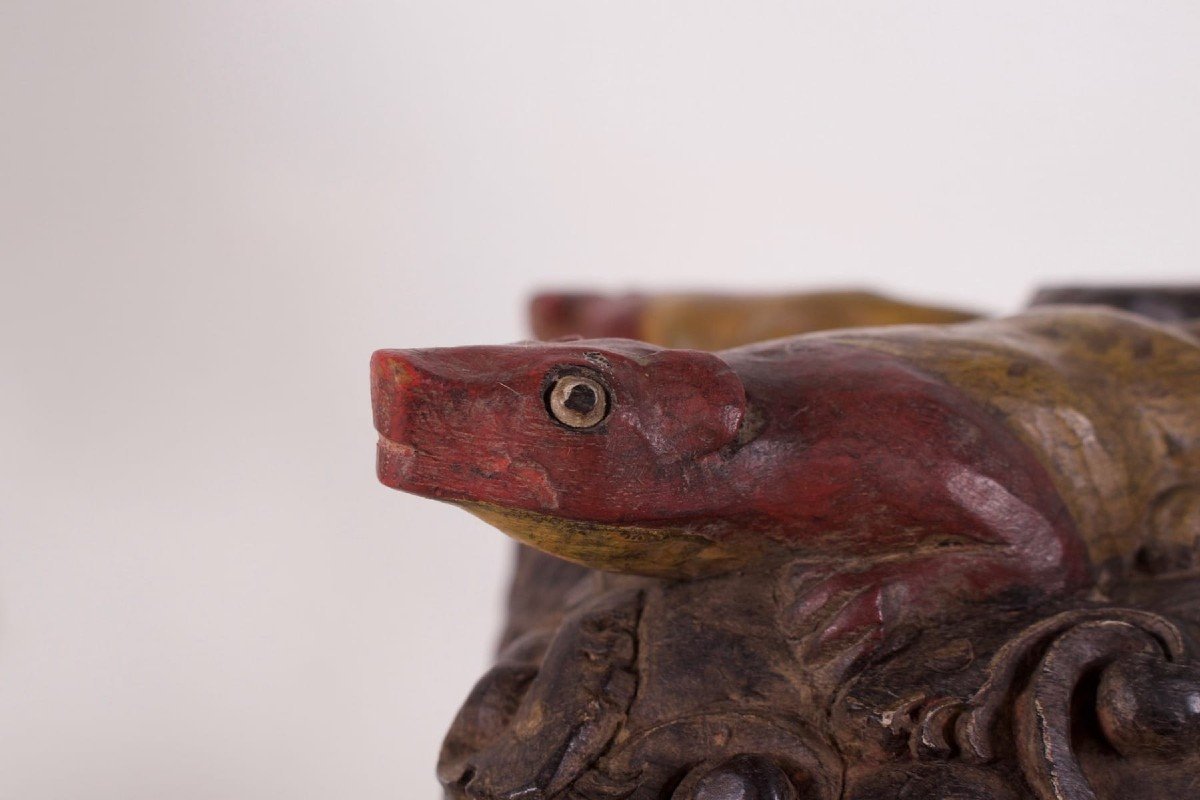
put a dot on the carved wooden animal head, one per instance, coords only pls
(581, 448)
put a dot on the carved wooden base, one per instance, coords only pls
(710, 690)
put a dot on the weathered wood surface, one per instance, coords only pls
(1030, 637)
(720, 321)
(972, 709)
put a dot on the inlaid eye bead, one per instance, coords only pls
(577, 401)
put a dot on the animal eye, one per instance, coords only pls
(577, 401)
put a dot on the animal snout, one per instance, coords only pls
(393, 376)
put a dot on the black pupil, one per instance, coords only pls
(581, 399)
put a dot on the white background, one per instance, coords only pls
(211, 213)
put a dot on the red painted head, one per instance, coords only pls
(581, 448)
(628, 457)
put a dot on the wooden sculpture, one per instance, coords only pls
(927, 561)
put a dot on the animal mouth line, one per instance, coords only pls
(615, 546)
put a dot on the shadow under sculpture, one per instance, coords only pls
(935, 561)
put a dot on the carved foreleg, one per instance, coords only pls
(859, 611)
